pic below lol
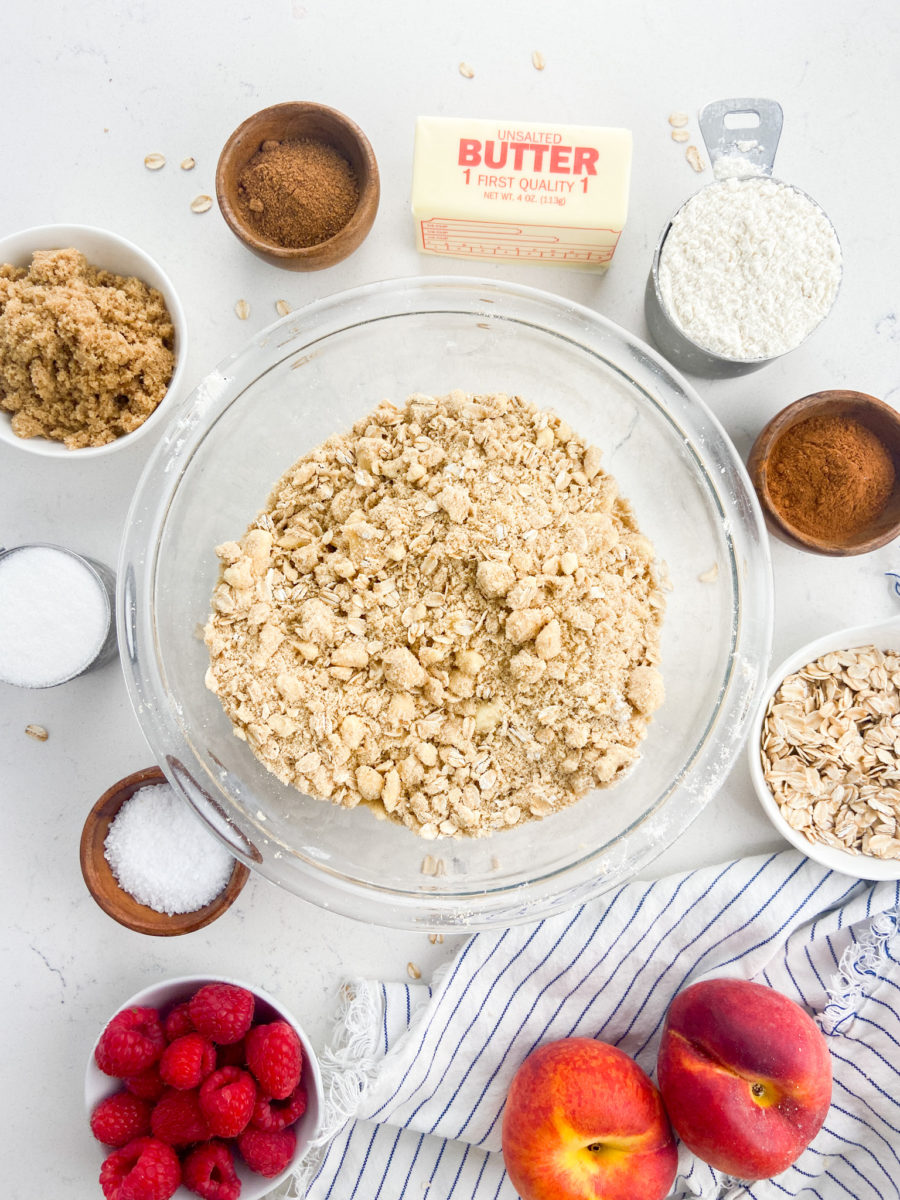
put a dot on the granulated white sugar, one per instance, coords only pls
(161, 853)
(749, 267)
(54, 616)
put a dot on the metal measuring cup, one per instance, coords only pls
(751, 146)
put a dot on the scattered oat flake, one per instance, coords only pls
(695, 158)
(436, 939)
(413, 971)
(466, 71)
(242, 309)
(38, 732)
(282, 307)
(678, 120)
(680, 135)
(153, 162)
(537, 60)
(188, 164)
(201, 204)
(711, 575)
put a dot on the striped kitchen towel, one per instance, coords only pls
(417, 1078)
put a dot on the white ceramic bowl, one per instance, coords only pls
(166, 995)
(886, 636)
(111, 253)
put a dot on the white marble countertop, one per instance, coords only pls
(99, 85)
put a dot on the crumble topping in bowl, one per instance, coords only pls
(448, 613)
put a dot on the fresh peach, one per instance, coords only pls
(582, 1120)
(745, 1076)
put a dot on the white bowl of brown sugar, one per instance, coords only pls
(93, 341)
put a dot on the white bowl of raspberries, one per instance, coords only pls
(203, 1087)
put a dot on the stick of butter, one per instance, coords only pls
(533, 192)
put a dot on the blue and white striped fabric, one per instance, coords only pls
(422, 1074)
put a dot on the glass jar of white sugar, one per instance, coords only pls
(56, 615)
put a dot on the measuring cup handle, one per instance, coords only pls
(751, 134)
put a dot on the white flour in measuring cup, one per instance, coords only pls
(749, 267)
(54, 616)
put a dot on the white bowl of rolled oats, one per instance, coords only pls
(824, 750)
(416, 683)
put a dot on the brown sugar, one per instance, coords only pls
(830, 477)
(85, 355)
(297, 193)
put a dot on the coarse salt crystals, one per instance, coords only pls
(162, 855)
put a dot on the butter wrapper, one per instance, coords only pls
(520, 190)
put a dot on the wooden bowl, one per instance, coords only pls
(290, 121)
(877, 416)
(114, 900)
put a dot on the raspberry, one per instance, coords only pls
(273, 1115)
(267, 1153)
(234, 1055)
(222, 1012)
(120, 1119)
(209, 1171)
(178, 1022)
(275, 1057)
(145, 1169)
(147, 1085)
(227, 1099)
(187, 1061)
(131, 1042)
(178, 1120)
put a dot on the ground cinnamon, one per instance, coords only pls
(830, 477)
(297, 193)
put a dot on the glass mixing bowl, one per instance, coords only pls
(318, 370)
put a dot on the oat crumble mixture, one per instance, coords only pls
(447, 613)
(85, 355)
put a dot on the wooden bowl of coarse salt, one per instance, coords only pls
(142, 836)
(298, 184)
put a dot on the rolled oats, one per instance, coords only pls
(829, 750)
(695, 158)
(374, 642)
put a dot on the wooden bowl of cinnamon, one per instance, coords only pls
(826, 470)
(298, 184)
